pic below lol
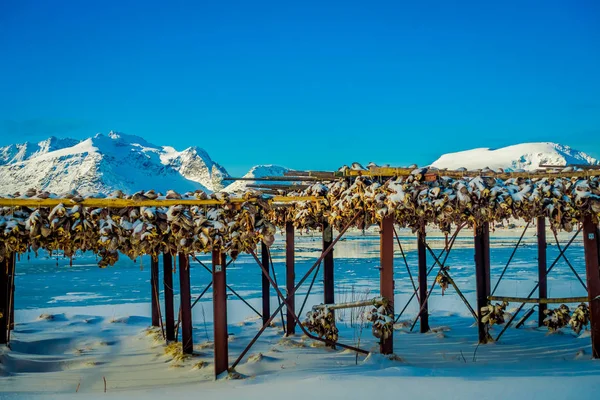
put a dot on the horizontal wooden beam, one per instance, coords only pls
(377, 301)
(393, 171)
(276, 186)
(315, 174)
(120, 203)
(539, 301)
(277, 179)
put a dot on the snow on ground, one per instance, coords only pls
(95, 327)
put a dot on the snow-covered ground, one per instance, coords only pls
(99, 319)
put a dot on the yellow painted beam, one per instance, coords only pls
(120, 203)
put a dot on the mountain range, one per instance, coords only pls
(105, 163)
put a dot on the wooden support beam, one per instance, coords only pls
(154, 291)
(290, 277)
(185, 297)
(266, 286)
(168, 289)
(221, 354)
(531, 300)
(328, 266)
(4, 298)
(591, 245)
(542, 278)
(423, 306)
(482, 272)
(386, 274)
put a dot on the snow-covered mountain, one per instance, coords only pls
(257, 171)
(526, 156)
(20, 152)
(105, 163)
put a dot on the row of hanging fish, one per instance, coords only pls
(560, 317)
(135, 231)
(444, 201)
(412, 200)
(555, 319)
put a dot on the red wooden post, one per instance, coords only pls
(328, 277)
(386, 275)
(221, 355)
(4, 296)
(12, 293)
(542, 279)
(186, 304)
(266, 287)
(290, 278)
(591, 245)
(424, 315)
(482, 278)
(154, 290)
(168, 286)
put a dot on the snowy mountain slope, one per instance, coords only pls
(527, 156)
(105, 163)
(257, 171)
(24, 151)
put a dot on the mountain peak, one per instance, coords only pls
(527, 156)
(104, 163)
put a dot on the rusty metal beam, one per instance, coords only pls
(168, 290)
(12, 295)
(591, 244)
(221, 353)
(328, 266)
(422, 254)
(290, 277)
(185, 297)
(386, 274)
(285, 301)
(4, 298)
(542, 278)
(154, 290)
(266, 287)
(446, 250)
(514, 314)
(482, 279)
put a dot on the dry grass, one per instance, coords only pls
(175, 351)
(287, 342)
(200, 365)
(255, 358)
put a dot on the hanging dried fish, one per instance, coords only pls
(493, 314)
(580, 318)
(557, 318)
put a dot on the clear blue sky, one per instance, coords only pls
(301, 84)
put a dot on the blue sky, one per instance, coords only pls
(300, 84)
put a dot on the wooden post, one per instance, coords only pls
(168, 285)
(328, 274)
(386, 274)
(154, 291)
(4, 296)
(542, 279)
(591, 245)
(221, 354)
(290, 278)
(185, 297)
(422, 252)
(482, 278)
(266, 287)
